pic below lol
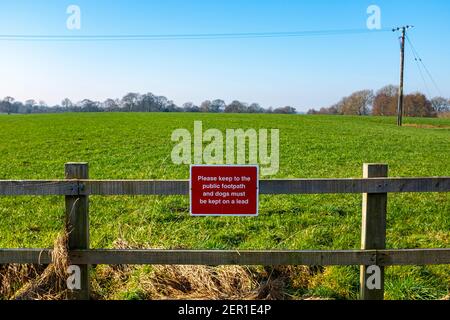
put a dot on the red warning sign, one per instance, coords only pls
(224, 190)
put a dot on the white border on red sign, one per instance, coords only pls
(222, 214)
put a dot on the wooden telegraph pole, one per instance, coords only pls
(402, 69)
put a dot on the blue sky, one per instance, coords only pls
(302, 72)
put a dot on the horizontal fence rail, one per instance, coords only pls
(374, 186)
(233, 257)
(181, 187)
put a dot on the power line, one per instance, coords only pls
(419, 59)
(416, 59)
(202, 36)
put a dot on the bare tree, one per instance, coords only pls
(129, 101)
(190, 107)
(417, 105)
(358, 103)
(66, 103)
(217, 105)
(205, 106)
(385, 101)
(285, 110)
(236, 107)
(440, 104)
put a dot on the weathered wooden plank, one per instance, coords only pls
(297, 186)
(364, 185)
(413, 257)
(77, 225)
(135, 187)
(193, 257)
(38, 187)
(26, 256)
(224, 257)
(373, 230)
(181, 187)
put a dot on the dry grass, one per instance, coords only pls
(426, 126)
(33, 282)
(203, 282)
(179, 282)
(37, 282)
(444, 115)
(13, 276)
(225, 282)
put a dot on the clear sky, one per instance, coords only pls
(302, 72)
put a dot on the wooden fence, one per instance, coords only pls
(375, 185)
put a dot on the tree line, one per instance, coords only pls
(384, 102)
(364, 102)
(135, 102)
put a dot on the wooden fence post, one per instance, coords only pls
(77, 224)
(373, 232)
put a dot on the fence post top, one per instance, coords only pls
(76, 170)
(375, 170)
(76, 163)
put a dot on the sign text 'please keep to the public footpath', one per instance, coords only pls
(224, 190)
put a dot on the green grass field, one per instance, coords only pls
(138, 146)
